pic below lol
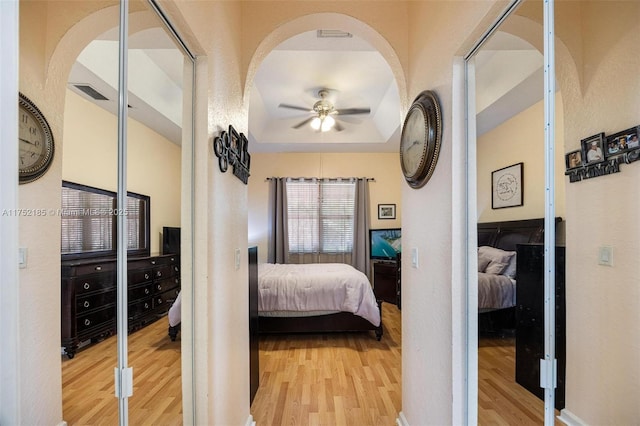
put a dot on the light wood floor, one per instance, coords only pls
(88, 388)
(342, 379)
(331, 379)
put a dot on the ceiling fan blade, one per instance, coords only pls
(299, 108)
(352, 111)
(302, 123)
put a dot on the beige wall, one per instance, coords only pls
(89, 157)
(383, 167)
(521, 139)
(603, 303)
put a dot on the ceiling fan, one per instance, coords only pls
(324, 113)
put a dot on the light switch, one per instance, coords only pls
(237, 259)
(605, 256)
(414, 257)
(22, 257)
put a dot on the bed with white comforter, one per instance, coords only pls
(316, 298)
(294, 290)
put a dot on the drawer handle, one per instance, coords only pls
(146, 276)
(158, 274)
(87, 322)
(173, 259)
(177, 280)
(153, 262)
(175, 268)
(146, 305)
(98, 268)
(159, 286)
(87, 286)
(159, 301)
(146, 291)
(86, 304)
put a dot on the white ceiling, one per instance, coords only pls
(508, 80)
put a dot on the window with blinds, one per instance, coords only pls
(320, 215)
(89, 222)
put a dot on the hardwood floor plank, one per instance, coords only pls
(304, 380)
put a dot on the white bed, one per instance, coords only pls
(318, 298)
(496, 279)
(319, 288)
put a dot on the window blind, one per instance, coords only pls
(320, 216)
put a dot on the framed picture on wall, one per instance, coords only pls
(573, 159)
(593, 149)
(507, 187)
(386, 211)
(622, 141)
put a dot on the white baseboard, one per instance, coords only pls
(402, 420)
(570, 419)
(250, 421)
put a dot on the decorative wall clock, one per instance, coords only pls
(420, 139)
(35, 141)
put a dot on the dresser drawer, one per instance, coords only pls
(92, 268)
(162, 272)
(138, 276)
(94, 301)
(95, 319)
(94, 283)
(140, 292)
(164, 285)
(139, 308)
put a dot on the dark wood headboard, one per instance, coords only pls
(505, 235)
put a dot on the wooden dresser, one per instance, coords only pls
(387, 281)
(89, 296)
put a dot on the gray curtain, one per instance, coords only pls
(360, 256)
(277, 233)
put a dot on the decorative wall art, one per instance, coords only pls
(386, 211)
(231, 148)
(507, 187)
(600, 155)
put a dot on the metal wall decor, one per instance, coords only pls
(231, 149)
(600, 155)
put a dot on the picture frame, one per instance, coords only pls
(593, 149)
(573, 159)
(386, 211)
(621, 142)
(507, 187)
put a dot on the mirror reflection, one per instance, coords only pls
(156, 75)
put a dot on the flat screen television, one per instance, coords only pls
(385, 243)
(170, 240)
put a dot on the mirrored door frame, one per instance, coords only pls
(470, 329)
(123, 374)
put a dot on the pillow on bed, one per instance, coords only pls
(483, 262)
(510, 270)
(499, 259)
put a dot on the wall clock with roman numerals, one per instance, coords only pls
(420, 139)
(35, 141)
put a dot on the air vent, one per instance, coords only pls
(333, 34)
(90, 91)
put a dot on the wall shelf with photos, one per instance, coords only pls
(601, 155)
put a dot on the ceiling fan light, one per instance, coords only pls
(327, 123)
(316, 123)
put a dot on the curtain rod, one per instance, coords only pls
(311, 179)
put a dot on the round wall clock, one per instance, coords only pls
(420, 139)
(35, 142)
